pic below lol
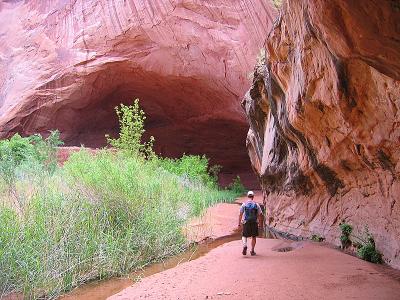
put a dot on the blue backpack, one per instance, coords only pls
(250, 212)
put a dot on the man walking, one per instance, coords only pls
(250, 211)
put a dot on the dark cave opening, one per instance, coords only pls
(185, 115)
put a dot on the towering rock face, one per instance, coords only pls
(324, 113)
(65, 64)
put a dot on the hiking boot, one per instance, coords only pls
(252, 253)
(244, 252)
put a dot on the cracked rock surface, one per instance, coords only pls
(325, 122)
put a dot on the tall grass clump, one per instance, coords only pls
(99, 215)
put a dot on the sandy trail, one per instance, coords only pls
(217, 226)
(311, 271)
(308, 271)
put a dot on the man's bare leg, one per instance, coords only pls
(253, 244)
(244, 240)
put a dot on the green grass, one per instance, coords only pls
(99, 216)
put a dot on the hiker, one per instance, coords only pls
(251, 211)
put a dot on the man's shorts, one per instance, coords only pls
(250, 229)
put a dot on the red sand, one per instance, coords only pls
(309, 271)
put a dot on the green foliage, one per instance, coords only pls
(346, 229)
(131, 122)
(97, 216)
(366, 249)
(45, 150)
(236, 186)
(365, 244)
(192, 167)
(317, 238)
(12, 153)
(17, 150)
(214, 172)
(369, 253)
(345, 237)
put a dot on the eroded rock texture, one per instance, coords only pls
(66, 64)
(325, 123)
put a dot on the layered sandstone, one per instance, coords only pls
(66, 64)
(324, 113)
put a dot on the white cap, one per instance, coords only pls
(250, 194)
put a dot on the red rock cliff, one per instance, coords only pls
(324, 113)
(65, 64)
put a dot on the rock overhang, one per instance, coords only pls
(187, 62)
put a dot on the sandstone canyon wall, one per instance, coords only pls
(324, 113)
(65, 64)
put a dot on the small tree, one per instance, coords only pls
(131, 129)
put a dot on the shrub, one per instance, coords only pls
(12, 153)
(17, 150)
(366, 248)
(317, 238)
(214, 172)
(345, 237)
(192, 167)
(369, 253)
(236, 186)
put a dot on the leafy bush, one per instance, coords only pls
(17, 149)
(45, 150)
(236, 186)
(369, 253)
(19, 153)
(345, 237)
(366, 249)
(12, 153)
(214, 172)
(193, 167)
(317, 238)
(365, 244)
